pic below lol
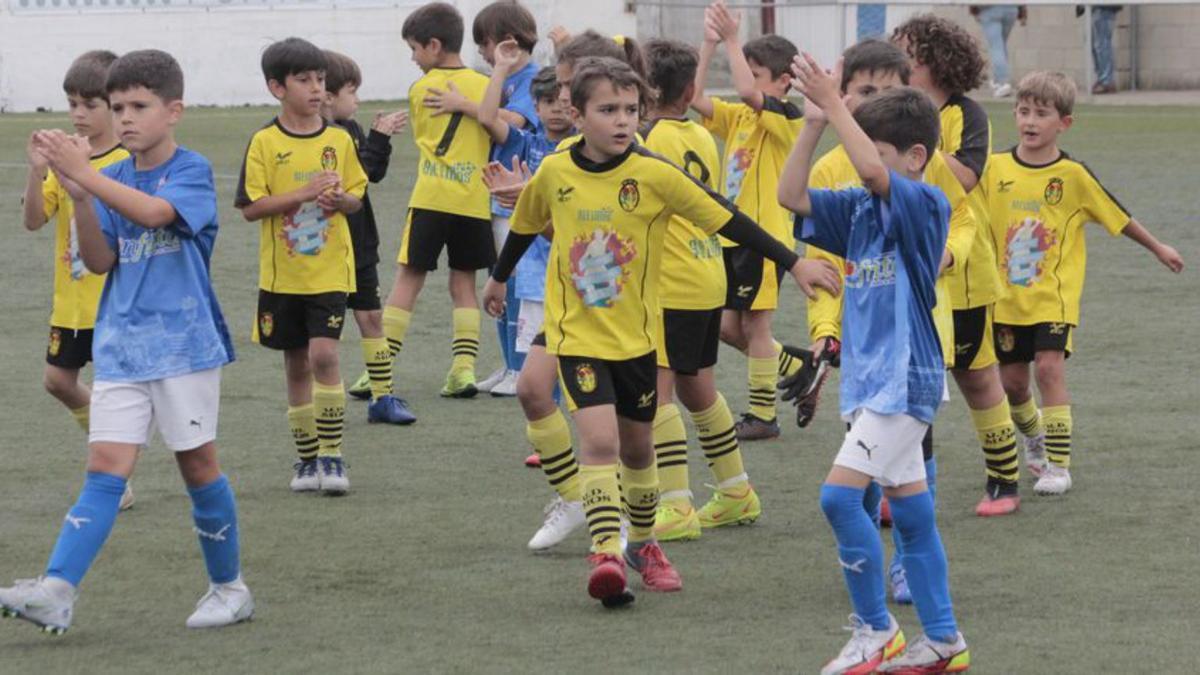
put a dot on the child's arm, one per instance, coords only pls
(338, 199)
(452, 101)
(793, 182)
(726, 24)
(1166, 255)
(701, 103)
(98, 256)
(375, 150)
(273, 205)
(34, 203)
(506, 55)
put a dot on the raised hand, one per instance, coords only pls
(37, 160)
(67, 155)
(506, 185)
(508, 53)
(559, 36)
(816, 83)
(723, 21)
(445, 102)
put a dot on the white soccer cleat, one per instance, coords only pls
(1035, 455)
(492, 380)
(867, 648)
(1055, 481)
(47, 603)
(332, 473)
(127, 499)
(562, 518)
(223, 605)
(507, 386)
(306, 479)
(925, 655)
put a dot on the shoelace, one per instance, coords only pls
(334, 465)
(860, 633)
(653, 555)
(552, 505)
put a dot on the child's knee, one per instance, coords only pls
(323, 359)
(59, 382)
(1049, 369)
(839, 502)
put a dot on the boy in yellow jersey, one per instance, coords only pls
(300, 177)
(1038, 200)
(76, 290)
(611, 203)
(691, 294)
(758, 133)
(449, 207)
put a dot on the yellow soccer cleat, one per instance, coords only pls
(460, 384)
(737, 506)
(676, 520)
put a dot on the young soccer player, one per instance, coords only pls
(691, 293)
(342, 80)
(76, 291)
(893, 232)
(611, 202)
(150, 222)
(758, 132)
(300, 177)
(1038, 200)
(449, 205)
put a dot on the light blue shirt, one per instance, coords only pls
(516, 97)
(532, 147)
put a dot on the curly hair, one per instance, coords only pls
(954, 58)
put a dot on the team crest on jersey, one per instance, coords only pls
(629, 195)
(266, 324)
(1054, 191)
(1026, 244)
(55, 345)
(585, 377)
(1005, 339)
(329, 158)
(598, 266)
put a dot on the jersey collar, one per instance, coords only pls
(1016, 158)
(293, 134)
(598, 167)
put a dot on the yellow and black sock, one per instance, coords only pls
(1025, 416)
(670, 452)
(718, 439)
(82, 416)
(551, 440)
(329, 402)
(395, 327)
(1057, 419)
(603, 506)
(466, 338)
(303, 423)
(639, 499)
(788, 364)
(996, 433)
(378, 358)
(762, 387)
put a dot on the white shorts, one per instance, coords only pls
(183, 409)
(530, 317)
(499, 231)
(885, 447)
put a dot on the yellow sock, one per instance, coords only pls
(379, 365)
(1057, 419)
(788, 364)
(1025, 416)
(551, 440)
(718, 439)
(466, 338)
(303, 423)
(329, 402)
(762, 387)
(996, 433)
(395, 327)
(639, 499)
(670, 452)
(602, 506)
(82, 416)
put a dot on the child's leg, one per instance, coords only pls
(499, 234)
(1050, 369)
(639, 478)
(64, 385)
(670, 442)
(731, 330)
(714, 427)
(763, 362)
(466, 318)
(1015, 379)
(214, 512)
(860, 551)
(376, 354)
(329, 395)
(924, 559)
(599, 447)
(547, 428)
(992, 417)
(301, 413)
(397, 312)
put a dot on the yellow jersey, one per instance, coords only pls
(76, 290)
(453, 148)
(756, 146)
(610, 220)
(1037, 215)
(693, 268)
(309, 250)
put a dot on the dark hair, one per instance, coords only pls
(772, 52)
(672, 65)
(505, 19)
(953, 56)
(903, 117)
(340, 71)
(544, 85)
(291, 56)
(155, 70)
(437, 20)
(88, 75)
(590, 71)
(589, 43)
(874, 56)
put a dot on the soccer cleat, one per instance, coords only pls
(331, 472)
(1035, 455)
(46, 603)
(731, 507)
(867, 648)
(998, 500)
(901, 595)
(507, 386)
(924, 655)
(492, 380)
(1055, 481)
(223, 605)
(533, 461)
(391, 410)
(361, 389)
(562, 518)
(127, 498)
(676, 520)
(657, 572)
(306, 479)
(606, 582)
(460, 384)
(751, 428)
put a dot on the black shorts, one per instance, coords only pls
(974, 344)
(288, 321)
(1019, 344)
(688, 339)
(630, 385)
(468, 241)
(69, 348)
(366, 298)
(746, 279)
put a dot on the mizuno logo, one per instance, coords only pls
(564, 194)
(75, 522)
(218, 536)
(856, 567)
(1005, 185)
(334, 322)
(646, 400)
(744, 291)
(864, 447)
(282, 157)
(963, 348)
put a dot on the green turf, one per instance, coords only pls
(423, 568)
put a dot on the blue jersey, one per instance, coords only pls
(158, 314)
(532, 147)
(891, 356)
(516, 97)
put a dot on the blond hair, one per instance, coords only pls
(1048, 88)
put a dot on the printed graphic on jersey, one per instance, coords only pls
(738, 164)
(1026, 244)
(306, 231)
(71, 257)
(597, 266)
(872, 272)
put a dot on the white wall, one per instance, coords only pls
(219, 48)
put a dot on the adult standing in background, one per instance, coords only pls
(997, 22)
(1104, 17)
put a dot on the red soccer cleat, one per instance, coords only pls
(997, 506)
(657, 572)
(606, 583)
(533, 461)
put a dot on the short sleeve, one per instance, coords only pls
(516, 145)
(689, 198)
(354, 178)
(50, 193)
(919, 218)
(976, 140)
(723, 119)
(521, 102)
(532, 211)
(781, 118)
(190, 190)
(827, 225)
(1102, 207)
(252, 181)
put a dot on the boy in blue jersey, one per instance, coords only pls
(892, 235)
(150, 222)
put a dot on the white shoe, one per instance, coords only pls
(223, 605)
(1035, 455)
(306, 479)
(507, 386)
(492, 380)
(332, 473)
(1055, 481)
(924, 655)
(46, 602)
(1002, 90)
(127, 499)
(867, 647)
(562, 518)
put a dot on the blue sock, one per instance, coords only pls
(215, 515)
(859, 552)
(86, 527)
(931, 478)
(924, 562)
(871, 499)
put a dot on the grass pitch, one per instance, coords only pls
(423, 568)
